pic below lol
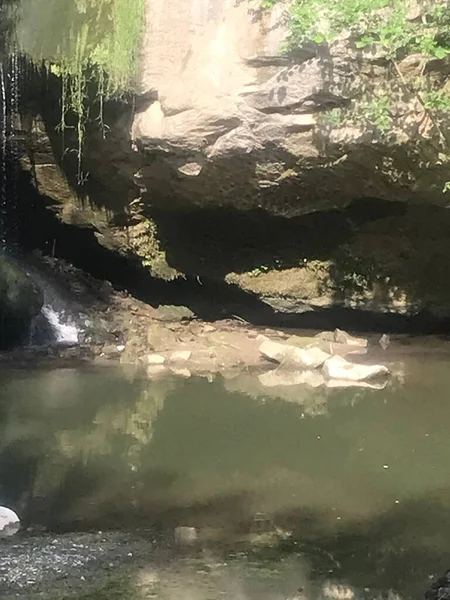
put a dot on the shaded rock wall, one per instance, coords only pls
(20, 301)
(217, 167)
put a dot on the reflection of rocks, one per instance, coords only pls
(339, 368)
(282, 378)
(338, 383)
(312, 399)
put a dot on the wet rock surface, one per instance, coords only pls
(20, 301)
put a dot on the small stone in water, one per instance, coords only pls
(385, 466)
(9, 522)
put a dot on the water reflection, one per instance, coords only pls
(355, 480)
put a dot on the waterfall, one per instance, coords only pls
(3, 142)
(9, 123)
(64, 332)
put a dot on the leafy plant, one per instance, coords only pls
(88, 44)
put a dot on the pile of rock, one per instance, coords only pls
(320, 360)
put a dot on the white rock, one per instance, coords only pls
(273, 350)
(155, 359)
(337, 367)
(384, 341)
(185, 535)
(181, 355)
(337, 592)
(313, 378)
(120, 348)
(155, 370)
(181, 372)
(343, 337)
(313, 357)
(9, 522)
(285, 378)
(309, 358)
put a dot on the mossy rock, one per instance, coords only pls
(20, 301)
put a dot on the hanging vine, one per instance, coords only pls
(92, 46)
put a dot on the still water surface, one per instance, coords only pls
(343, 486)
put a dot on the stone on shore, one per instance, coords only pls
(285, 354)
(339, 368)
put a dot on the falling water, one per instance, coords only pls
(64, 332)
(3, 179)
(9, 123)
(13, 148)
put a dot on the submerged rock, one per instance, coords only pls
(341, 369)
(9, 522)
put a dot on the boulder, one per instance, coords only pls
(9, 522)
(181, 356)
(309, 358)
(342, 337)
(339, 368)
(155, 359)
(20, 302)
(160, 337)
(327, 344)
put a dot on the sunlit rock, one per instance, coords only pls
(337, 591)
(155, 359)
(341, 369)
(9, 522)
(309, 358)
(342, 337)
(181, 356)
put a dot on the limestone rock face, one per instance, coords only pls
(271, 172)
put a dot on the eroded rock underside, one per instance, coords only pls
(277, 173)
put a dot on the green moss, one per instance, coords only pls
(144, 241)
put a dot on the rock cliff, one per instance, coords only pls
(312, 179)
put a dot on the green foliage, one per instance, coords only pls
(333, 117)
(377, 111)
(89, 44)
(257, 271)
(436, 101)
(385, 22)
